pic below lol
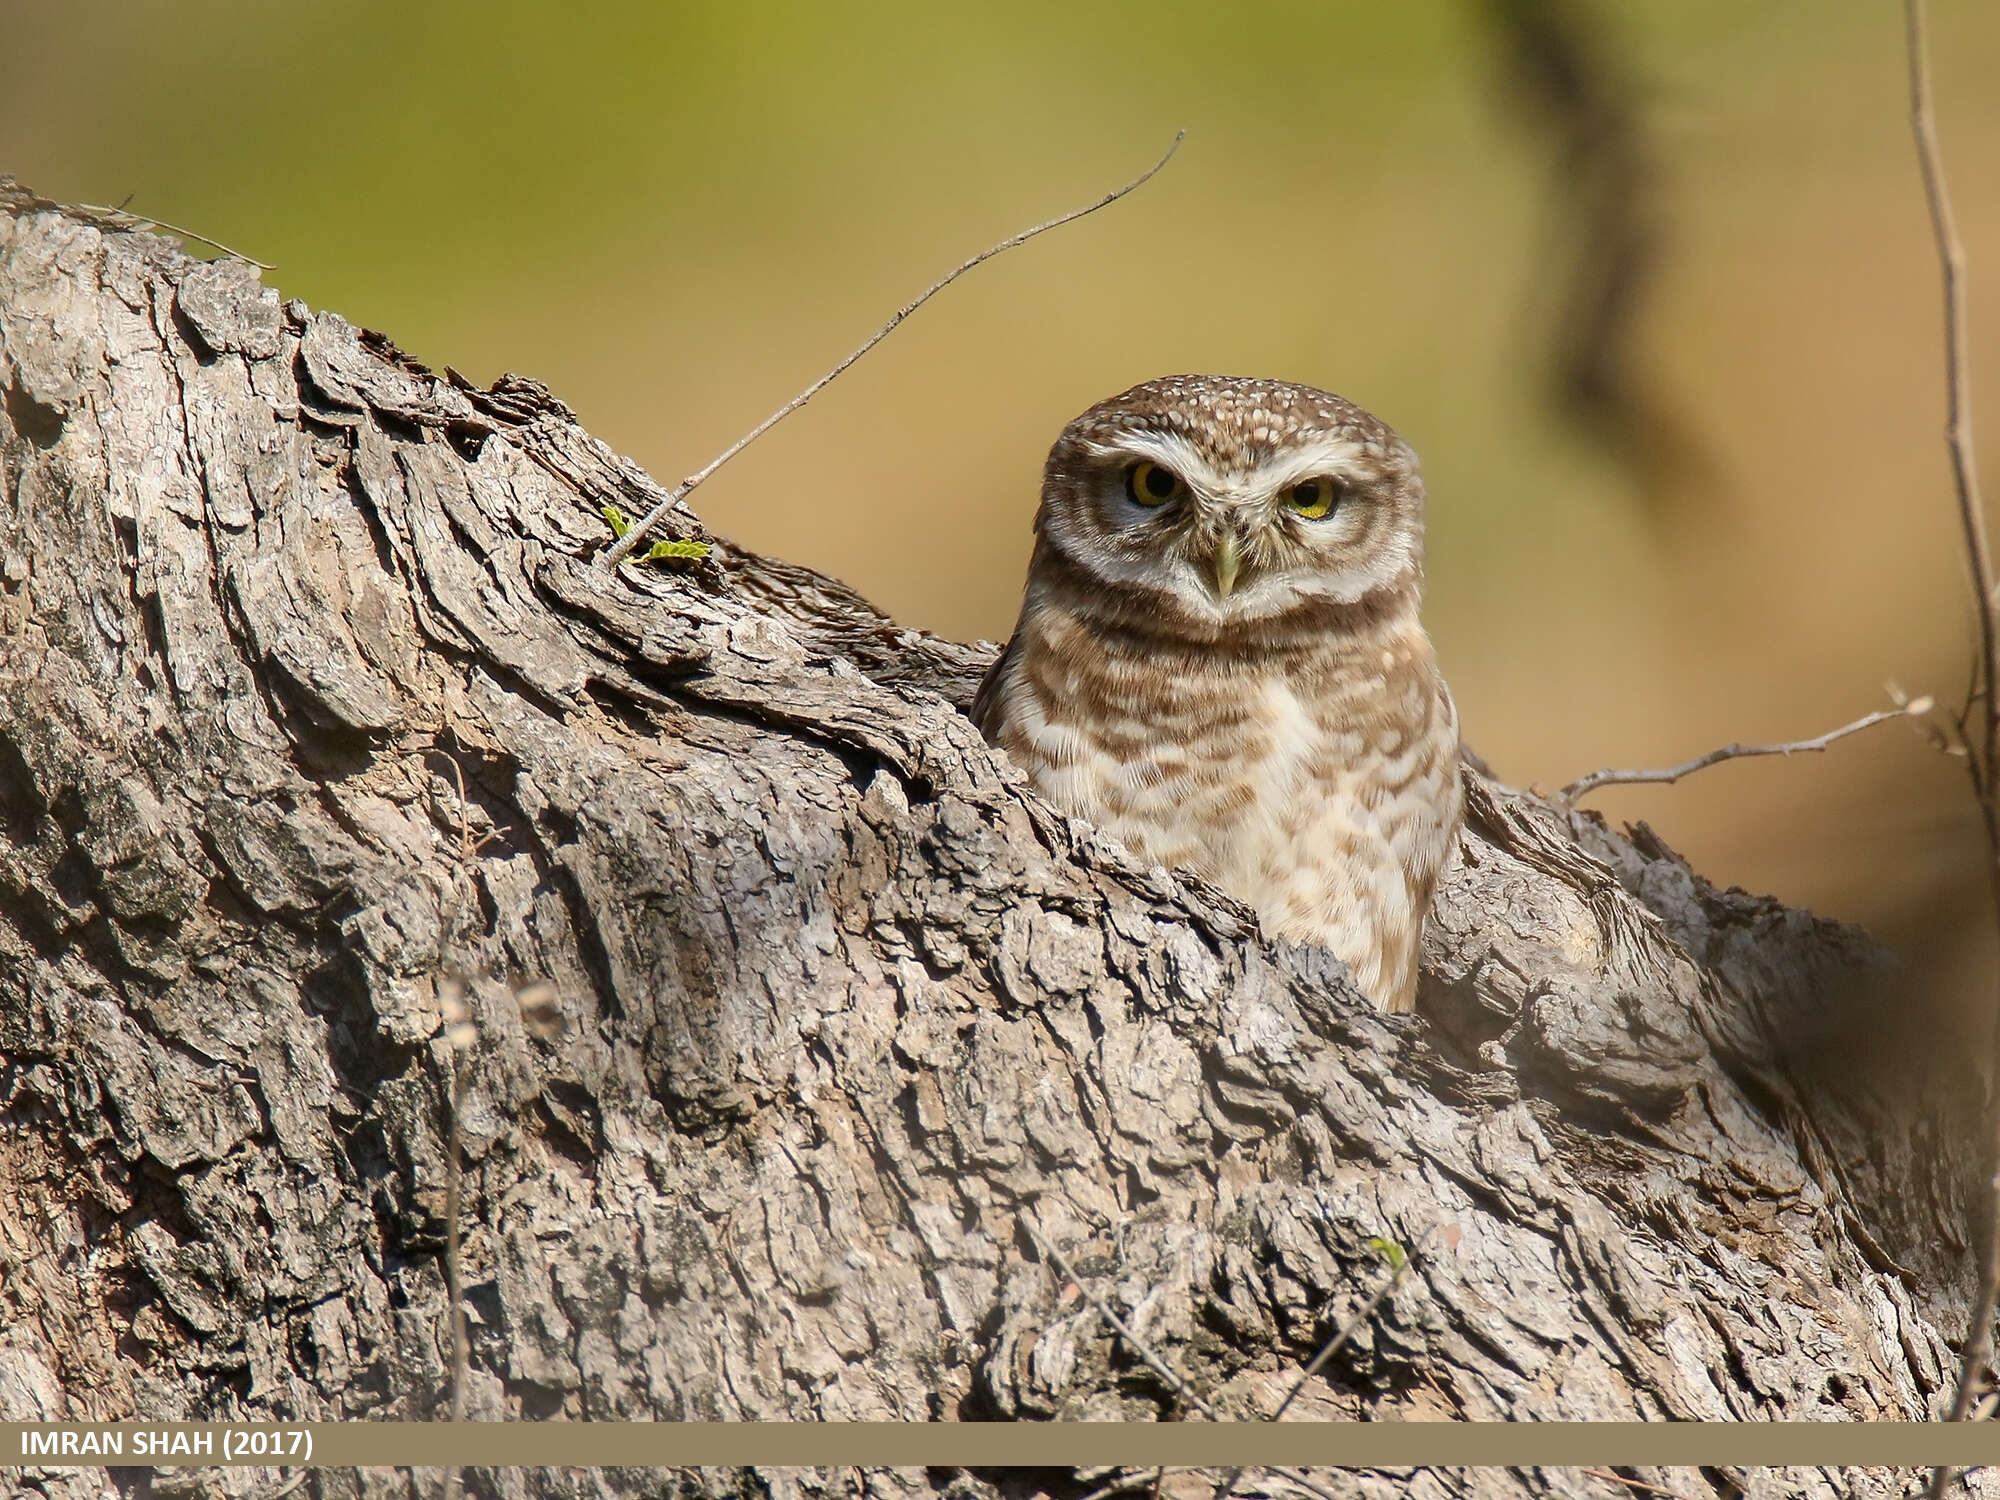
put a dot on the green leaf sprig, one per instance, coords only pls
(659, 552)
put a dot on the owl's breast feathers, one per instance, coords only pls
(1313, 775)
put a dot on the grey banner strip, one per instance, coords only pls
(982, 1445)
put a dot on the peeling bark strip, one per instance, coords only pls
(841, 1007)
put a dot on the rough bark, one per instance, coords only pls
(843, 1018)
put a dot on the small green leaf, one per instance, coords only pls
(659, 551)
(1389, 1250)
(675, 551)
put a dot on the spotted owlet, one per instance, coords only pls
(1219, 660)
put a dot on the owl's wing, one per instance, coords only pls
(986, 702)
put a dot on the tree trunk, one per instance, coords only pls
(791, 1026)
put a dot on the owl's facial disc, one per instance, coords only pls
(1201, 506)
(1239, 538)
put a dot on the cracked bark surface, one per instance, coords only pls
(840, 1017)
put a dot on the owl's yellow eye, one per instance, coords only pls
(1150, 485)
(1312, 498)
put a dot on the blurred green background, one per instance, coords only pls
(676, 215)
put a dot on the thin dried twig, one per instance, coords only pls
(460, 1034)
(1304, 1480)
(1957, 332)
(1158, 1365)
(1634, 1484)
(1596, 779)
(622, 548)
(453, 1275)
(1352, 1326)
(1332, 1347)
(454, 1281)
(122, 217)
(1976, 1355)
(1127, 1482)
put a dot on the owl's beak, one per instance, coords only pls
(1227, 558)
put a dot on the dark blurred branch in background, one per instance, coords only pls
(1565, 78)
(1979, 722)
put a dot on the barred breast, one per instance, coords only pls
(1317, 781)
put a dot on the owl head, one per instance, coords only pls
(1210, 506)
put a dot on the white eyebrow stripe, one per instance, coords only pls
(1171, 451)
(1337, 457)
(1340, 457)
